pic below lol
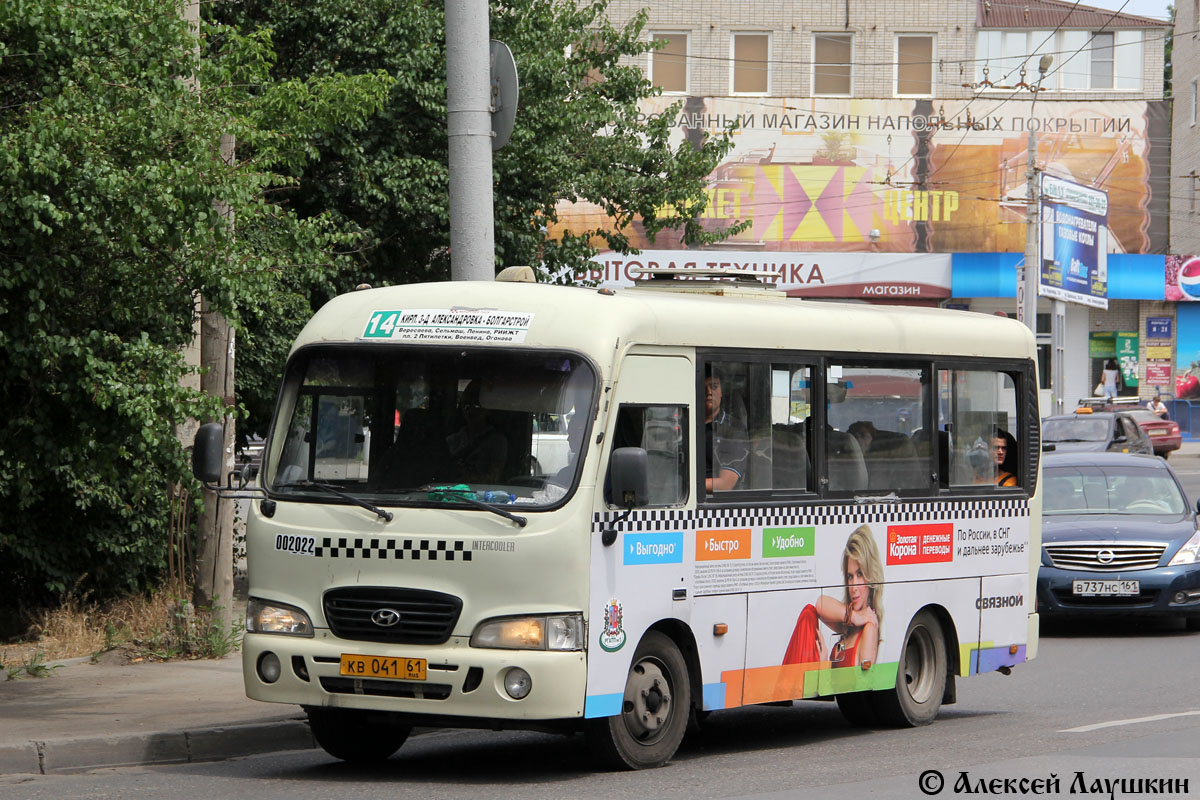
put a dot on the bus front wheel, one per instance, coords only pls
(920, 676)
(654, 710)
(360, 737)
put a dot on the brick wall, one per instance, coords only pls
(1185, 135)
(709, 26)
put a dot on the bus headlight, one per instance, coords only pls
(263, 616)
(1189, 553)
(556, 632)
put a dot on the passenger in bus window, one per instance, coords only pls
(725, 443)
(1004, 454)
(864, 431)
(855, 618)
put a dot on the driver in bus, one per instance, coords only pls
(477, 450)
(725, 445)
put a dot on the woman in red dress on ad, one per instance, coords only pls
(855, 618)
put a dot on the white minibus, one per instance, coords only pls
(516, 505)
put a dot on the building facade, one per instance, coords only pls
(881, 151)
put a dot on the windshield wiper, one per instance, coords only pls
(325, 487)
(471, 501)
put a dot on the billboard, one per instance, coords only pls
(832, 175)
(1074, 242)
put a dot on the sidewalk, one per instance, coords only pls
(85, 716)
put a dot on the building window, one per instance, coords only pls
(1083, 60)
(833, 55)
(914, 65)
(1102, 61)
(751, 63)
(669, 65)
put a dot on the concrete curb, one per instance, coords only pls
(143, 749)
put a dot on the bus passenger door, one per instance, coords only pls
(644, 578)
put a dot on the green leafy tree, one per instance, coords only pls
(110, 168)
(579, 136)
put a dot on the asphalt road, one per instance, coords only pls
(1102, 702)
(1108, 701)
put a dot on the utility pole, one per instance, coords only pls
(1027, 287)
(468, 101)
(213, 587)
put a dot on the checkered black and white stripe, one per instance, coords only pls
(395, 549)
(667, 519)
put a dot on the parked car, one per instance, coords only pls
(1164, 433)
(1118, 537)
(1095, 431)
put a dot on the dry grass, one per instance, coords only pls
(78, 628)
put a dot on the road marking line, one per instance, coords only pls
(1114, 723)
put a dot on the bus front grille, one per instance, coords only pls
(391, 615)
(382, 688)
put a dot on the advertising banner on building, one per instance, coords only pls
(1074, 243)
(1187, 351)
(1182, 278)
(831, 175)
(846, 275)
(1126, 343)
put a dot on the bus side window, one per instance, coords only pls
(976, 407)
(759, 412)
(660, 431)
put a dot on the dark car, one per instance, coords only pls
(1118, 537)
(1095, 431)
(1164, 433)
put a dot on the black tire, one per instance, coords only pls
(920, 676)
(654, 713)
(360, 737)
(1191, 624)
(858, 708)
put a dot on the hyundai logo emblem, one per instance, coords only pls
(1105, 556)
(385, 617)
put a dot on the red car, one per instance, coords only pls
(1163, 433)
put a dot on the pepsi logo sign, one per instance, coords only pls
(1189, 278)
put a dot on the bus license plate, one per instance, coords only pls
(1105, 588)
(407, 669)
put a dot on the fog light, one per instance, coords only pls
(268, 667)
(517, 683)
(1181, 597)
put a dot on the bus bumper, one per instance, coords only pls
(461, 681)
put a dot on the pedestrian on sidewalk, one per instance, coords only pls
(1158, 407)
(1110, 379)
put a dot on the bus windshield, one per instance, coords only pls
(399, 425)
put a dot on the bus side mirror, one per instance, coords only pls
(629, 480)
(206, 453)
(629, 475)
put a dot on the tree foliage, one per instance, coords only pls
(110, 121)
(576, 138)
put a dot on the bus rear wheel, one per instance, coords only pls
(920, 676)
(654, 711)
(360, 737)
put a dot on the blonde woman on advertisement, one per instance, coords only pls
(855, 618)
